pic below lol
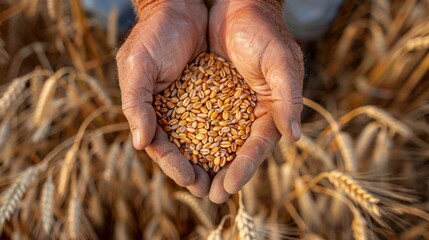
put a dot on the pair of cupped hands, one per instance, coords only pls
(252, 35)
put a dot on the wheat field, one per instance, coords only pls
(360, 171)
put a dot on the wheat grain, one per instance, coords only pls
(355, 192)
(207, 112)
(47, 205)
(12, 197)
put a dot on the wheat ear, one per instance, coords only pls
(47, 204)
(13, 91)
(4, 132)
(45, 97)
(216, 234)
(355, 192)
(14, 194)
(66, 169)
(245, 223)
(358, 226)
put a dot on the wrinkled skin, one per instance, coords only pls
(249, 33)
(253, 36)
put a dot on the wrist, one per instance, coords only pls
(145, 7)
(276, 6)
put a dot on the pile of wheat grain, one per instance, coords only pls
(207, 112)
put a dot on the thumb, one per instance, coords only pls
(285, 77)
(137, 86)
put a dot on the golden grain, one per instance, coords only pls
(202, 119)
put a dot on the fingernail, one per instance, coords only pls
(296, 130)
(136, 138)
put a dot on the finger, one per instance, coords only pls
(217, 191)
(136, 79)
(200, 187)
(284, 73)
(263, 137)
(170, 160)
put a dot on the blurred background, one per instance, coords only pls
(360, 171)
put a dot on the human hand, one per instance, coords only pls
(166, 37)
(252, 35)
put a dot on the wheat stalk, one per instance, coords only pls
(308, 145)
(345, 145)
(47, 204)
(355, 192)
(307, 207)
(192, 202)
(381, 154)
(382, 117)
(14, 194)
(365, 139)
(274, 178)
(111, 160)
(42, 131)
(97, 88)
